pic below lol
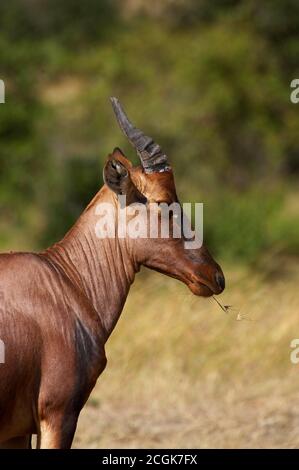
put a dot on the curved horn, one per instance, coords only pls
(152, 158)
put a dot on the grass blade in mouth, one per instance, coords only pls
(225, 308)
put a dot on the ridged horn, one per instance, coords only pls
(151, 156)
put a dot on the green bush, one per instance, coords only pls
(210, 83)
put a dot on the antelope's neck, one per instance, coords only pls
(103, 269)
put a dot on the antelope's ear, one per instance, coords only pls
(117, 177)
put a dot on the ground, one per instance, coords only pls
(182, 373)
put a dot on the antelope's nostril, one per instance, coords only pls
(220, 281)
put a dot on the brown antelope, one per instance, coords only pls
(59, 307)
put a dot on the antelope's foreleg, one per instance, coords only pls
(57, 432)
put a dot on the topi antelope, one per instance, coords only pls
(59, 307)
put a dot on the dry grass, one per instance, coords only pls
(182, 373)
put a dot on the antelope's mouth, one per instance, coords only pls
(200, 289)
(206, 286)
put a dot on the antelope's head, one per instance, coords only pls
(149, 185)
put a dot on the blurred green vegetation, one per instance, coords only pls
(209, 80)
